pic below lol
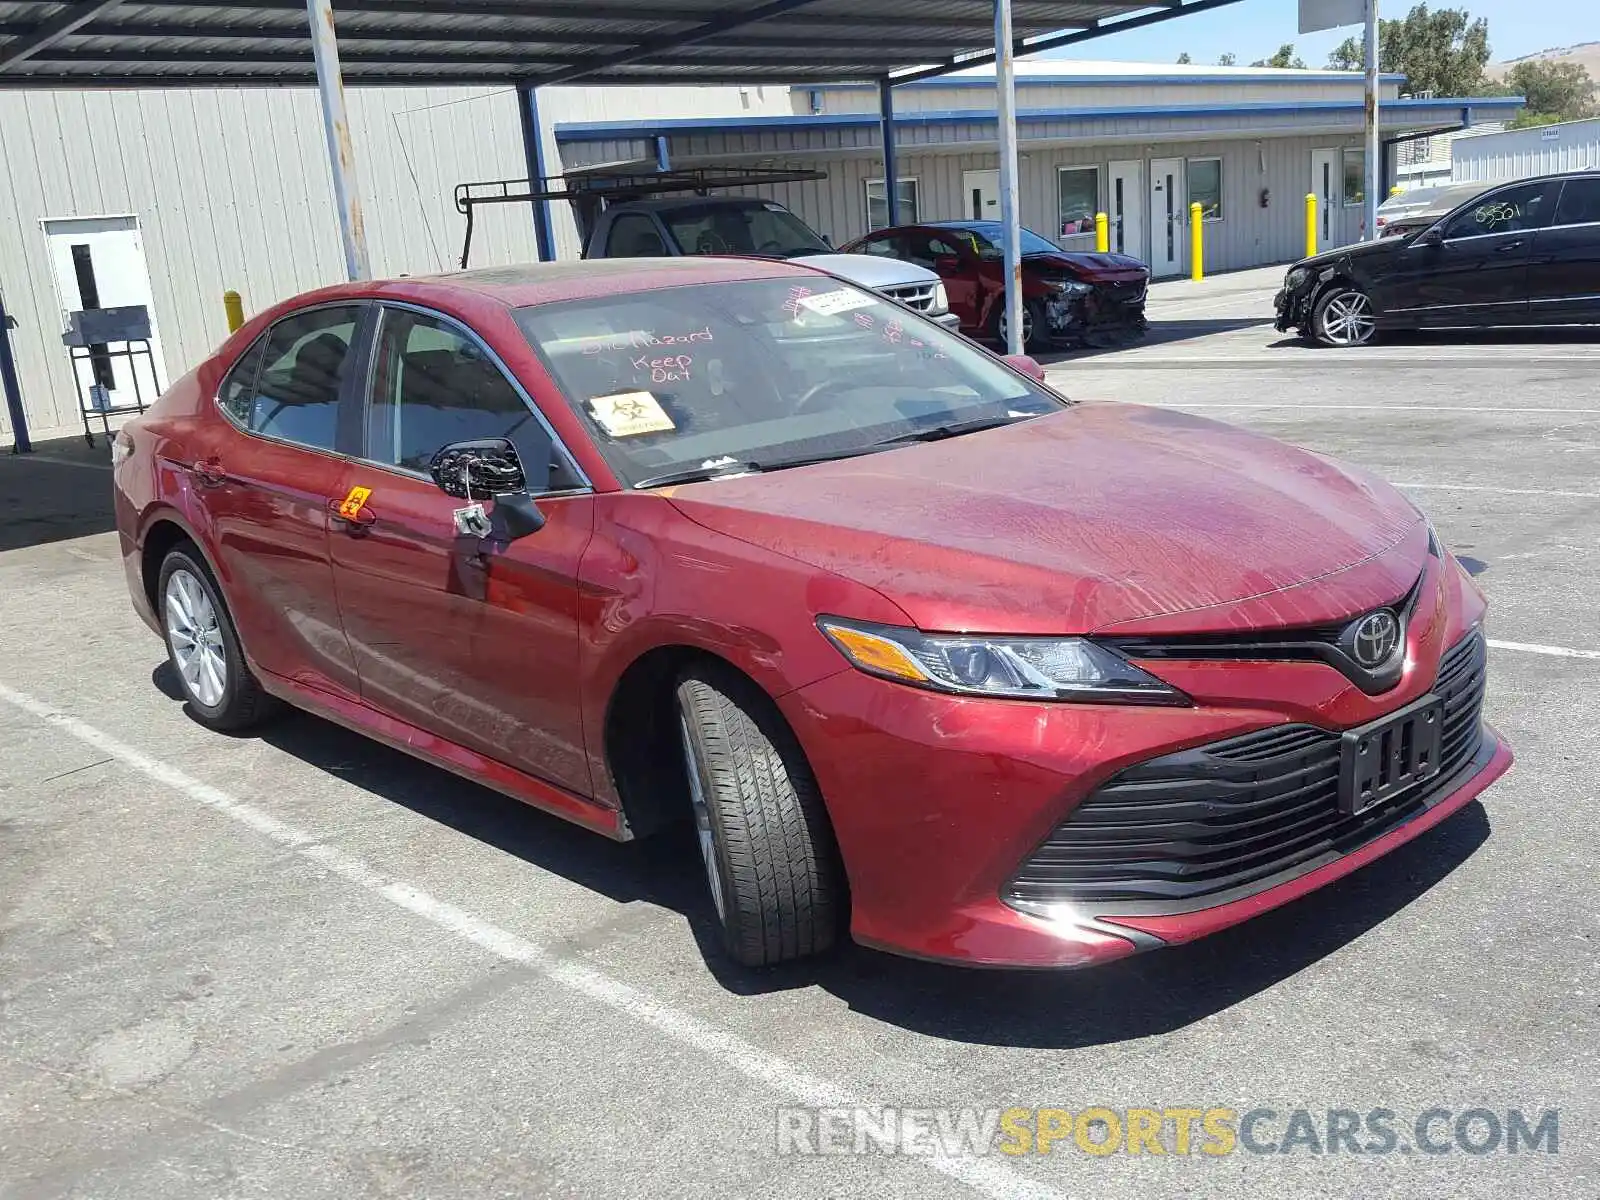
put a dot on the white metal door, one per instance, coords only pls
(98, 262)
(1126, 211)
(1167, 216)
(1325, 178)
(980, 195)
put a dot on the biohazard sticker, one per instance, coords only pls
(350, 507)
(630, 414)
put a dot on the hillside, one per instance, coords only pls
(1585, 54)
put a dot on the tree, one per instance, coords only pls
(1556, 91)
(1285, 57)
(1443, 51)
(1184, 59)
(1227, 60)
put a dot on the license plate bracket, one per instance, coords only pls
(1391, 755)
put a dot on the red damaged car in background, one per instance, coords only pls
(918, 648)
(1069, 297)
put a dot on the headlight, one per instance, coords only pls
(941, 301)
(1069, 286)
(1023, 668)
(1297, 279)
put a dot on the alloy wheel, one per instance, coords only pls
(195, 635)
(1027, 328)
(1348, 320)
(702, 816)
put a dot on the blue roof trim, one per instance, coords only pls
(949, 81)
(606, 131)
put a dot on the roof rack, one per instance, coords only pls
(590, 192)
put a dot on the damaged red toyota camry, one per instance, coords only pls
(921, 649)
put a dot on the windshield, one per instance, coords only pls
(712, 376)
(986, 237)
(765, 229)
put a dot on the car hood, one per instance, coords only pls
(1087, 264)
(870, 270)
(1106, 516)
(1361, 250)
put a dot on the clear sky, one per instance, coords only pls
(1254, 29)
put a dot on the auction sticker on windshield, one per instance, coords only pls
(844, 300)
(630, 414)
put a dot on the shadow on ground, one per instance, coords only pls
(61, 491)
(1161, 332)
(1135, 998)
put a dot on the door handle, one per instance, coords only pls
(208, 472)
(1508, 247)
(355, 522)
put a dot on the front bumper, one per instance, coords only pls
(1293, 308)
(939, 801)
(947, 320)
(1110, 313)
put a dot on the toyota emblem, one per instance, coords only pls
(1374, 638)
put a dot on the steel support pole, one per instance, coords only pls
(21, 443)
(891, 175)
(1374, 150)
(533, 151)
(341, 153)
(1006, 111)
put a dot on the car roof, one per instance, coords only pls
(524, 284)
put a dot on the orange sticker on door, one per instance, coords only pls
(352, 504)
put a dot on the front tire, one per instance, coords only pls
(203, 646)
(768, 850)
(1033, 325)
(1344, 317)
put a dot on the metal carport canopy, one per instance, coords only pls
(539, 43)
(206, 43)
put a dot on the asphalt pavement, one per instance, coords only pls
(302, 965)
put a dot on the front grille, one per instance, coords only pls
(1219, 822)
(913, 295)
(1123, 293)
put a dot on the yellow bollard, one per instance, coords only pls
(1197, 251)
(1102, 233)
(233, 305)
(1396, 190)
(1311, 224)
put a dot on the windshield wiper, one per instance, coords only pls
(726, 469)
(697, 474)
(938, 433)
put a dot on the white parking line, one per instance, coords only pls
(63, 462)
(989, 1178)
(1535, 648)
(1503, 491)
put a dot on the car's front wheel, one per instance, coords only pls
(1033, 325)
(765, 842)
(203, 646)
(1344, 316)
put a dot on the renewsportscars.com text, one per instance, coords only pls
(1179, 1131)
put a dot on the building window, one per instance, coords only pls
(1077, 200)
(1205, 186)
(878, 203)
(1355, 178)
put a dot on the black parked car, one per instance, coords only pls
(1524, 253)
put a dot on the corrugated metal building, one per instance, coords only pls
(1138, 142)
(1518, 153)
(184, 194)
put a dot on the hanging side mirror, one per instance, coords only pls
(489, 468)
(1431, 237)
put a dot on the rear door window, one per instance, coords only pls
(635, 235)
(296, 396)
(1580, 203)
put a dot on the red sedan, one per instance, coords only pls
(921, 648)
(1069, 297)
